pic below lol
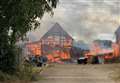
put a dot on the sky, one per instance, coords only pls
(84, 20)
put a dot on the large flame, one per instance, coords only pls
(116, 49)
(107, 53)
(57, 56)
(34, 49)
(52, 55)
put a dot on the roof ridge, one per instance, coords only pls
(56, 29)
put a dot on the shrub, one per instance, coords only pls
(26, 72)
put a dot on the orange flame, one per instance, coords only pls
(57, 56)
(115, 47)
(108, 53)
(34, 49)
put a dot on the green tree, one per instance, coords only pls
(17, 17)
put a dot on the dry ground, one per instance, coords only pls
(73, 73)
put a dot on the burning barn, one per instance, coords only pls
(55, 45)
(104, 50)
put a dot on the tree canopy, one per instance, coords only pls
(17, 17)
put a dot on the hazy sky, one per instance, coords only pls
(82, 19)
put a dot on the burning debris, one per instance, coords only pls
(112, 51)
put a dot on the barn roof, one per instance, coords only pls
(57, 30)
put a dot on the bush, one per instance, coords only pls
(26, 72)
(6, 77)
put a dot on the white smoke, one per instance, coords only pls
(83, 19)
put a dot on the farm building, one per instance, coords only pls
(55, 44)
(105, 50)
(117, 34)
